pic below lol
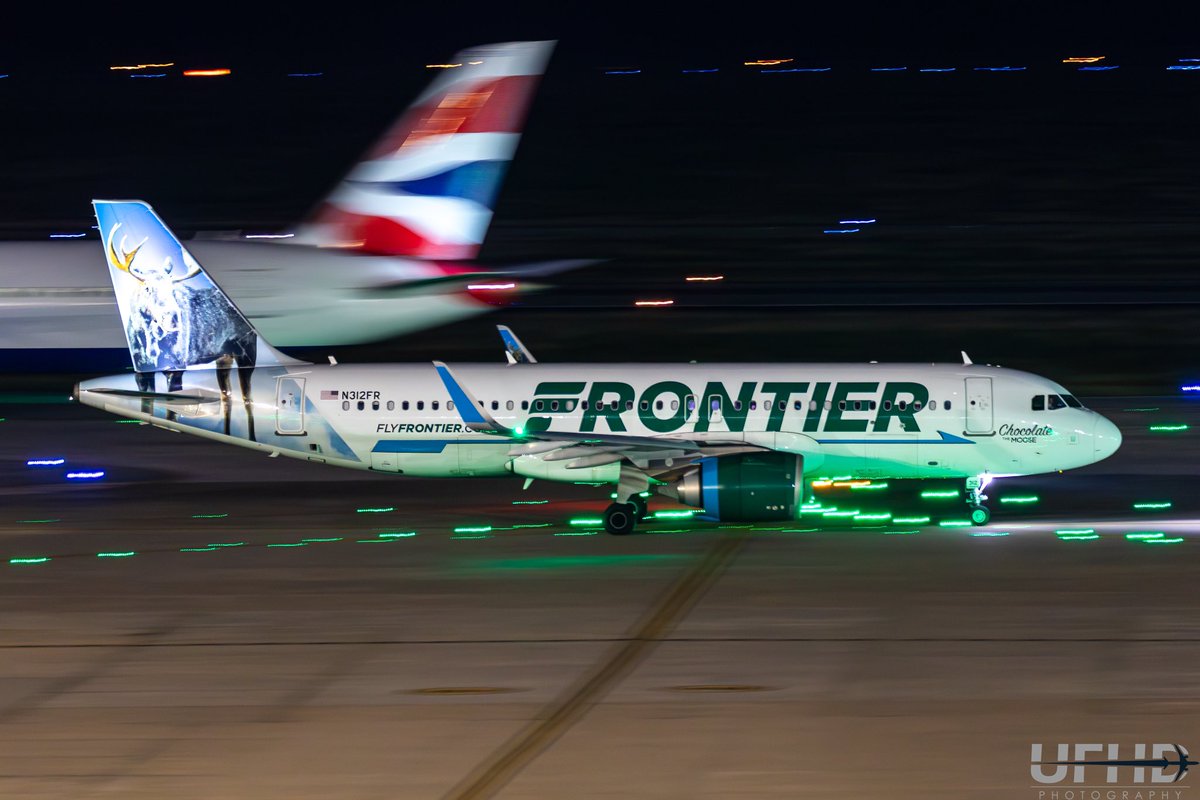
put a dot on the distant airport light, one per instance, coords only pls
(5, 75)
(145, 66)
(799, 69)
(67, 235)
(45, 462)
(490, 287)
(305, 74)
(1177, 67)
(704, 278)
(649, 303)
(699, 71)
(269, 235)
(939, 69)
(1098, 68)
(1189, 59)
(209, 516)
(1083, 59)
(1192, 387)
(856, 221)
(480, 61)
(767, 62)
(206, 73)
(999, 69)
(841, 230)
(442, 66)
(149, 75)
(622, 72)
(85, 476)
(889, 69)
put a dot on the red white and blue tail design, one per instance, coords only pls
(428, 187)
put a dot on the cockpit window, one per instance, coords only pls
(1071, 401)
(1056, 402)
(1039, 402)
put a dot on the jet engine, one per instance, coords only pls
(746, 487)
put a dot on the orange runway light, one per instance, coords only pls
(1082, 59)
(144, 66)
(205, 73)
(650, 303)
(442, 66)
(767, 62)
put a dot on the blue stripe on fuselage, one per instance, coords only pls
(426, 445)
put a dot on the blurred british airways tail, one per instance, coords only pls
(175, 317)
(427, 189)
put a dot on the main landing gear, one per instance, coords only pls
(975, 497)
(622, 518)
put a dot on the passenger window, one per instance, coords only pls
(828, 405)
(538, 405)
(841, 405)
(628, 405)
(933, 405)
(434, 405)
(508, 406)
(858, 405)
(450, 404)
(420, 405)
(812, 405)
(644, 405)
(946, 405)
(554, 405)
(374, 405)
(1056, 402)
(404, 405)
(798, 404)
(391, 406)
(658, 405)
(1039, 402)
(916, 406)
(569, 405)
(903, 404)
(674, 405)
(887, 405)
(361, 405)
(524, 405)
(495, 405)
(345, 405)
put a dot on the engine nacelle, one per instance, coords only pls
(747, 487)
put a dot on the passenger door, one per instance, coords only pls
(289, 406)
(979, 406)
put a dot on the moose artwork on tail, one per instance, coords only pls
(176, 318)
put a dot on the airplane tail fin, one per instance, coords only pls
(427, 189)
(175, 317)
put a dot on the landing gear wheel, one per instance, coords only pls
(980, 515)
(620, 518)
(642, 509)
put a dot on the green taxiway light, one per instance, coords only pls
(209, 516)
(586, 521)
(987, 534)
(910, 520)
(1168, 428)
(36, 521)
(226, 544)
(1141, 409)
(116, 555)
(954, 523)
(871, 517)
(939, 494)
(1145, 535)
(382, 510)
(197, 549)
(1176, 540)
(1150, 506)
(529, 502)
(477, 529)
(899, 533)
(1086, 538)
(532, 525)
(1017, 499)
(840, 513)
(578, 533)
(685, 514)
(800, 530)
(287, 544)
(39, 560)
(868, 486)
(734, 527)
(1074, 531)
(128, 422)
(398, 535)
(331, 539)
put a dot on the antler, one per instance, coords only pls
(123, 260)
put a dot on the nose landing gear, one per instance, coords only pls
(975, 497)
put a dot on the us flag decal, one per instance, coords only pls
(329, 394)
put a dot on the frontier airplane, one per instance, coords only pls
(737, 440)
(387, 252)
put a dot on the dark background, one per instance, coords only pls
(1042, 219)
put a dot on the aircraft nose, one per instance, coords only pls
(1106, 438)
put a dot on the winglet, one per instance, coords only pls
(514, 350)
(966, 358)
(473, 414)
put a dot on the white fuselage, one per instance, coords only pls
(55, 295)
(845, 419)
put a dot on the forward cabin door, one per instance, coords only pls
(289, 406)
(979, 406)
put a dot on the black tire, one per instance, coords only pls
(980, 515)
(620, 518)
